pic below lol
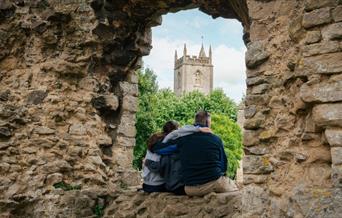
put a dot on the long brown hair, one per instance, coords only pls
(168, 127)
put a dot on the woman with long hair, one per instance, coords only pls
(153, 181)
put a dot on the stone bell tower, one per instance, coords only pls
(193, 73)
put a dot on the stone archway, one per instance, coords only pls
(69, 97)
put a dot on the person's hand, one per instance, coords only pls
(143, 161)
(205, 130)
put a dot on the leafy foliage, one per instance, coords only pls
(159, 106)
(231, 136)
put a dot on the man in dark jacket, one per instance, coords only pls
(203, 161)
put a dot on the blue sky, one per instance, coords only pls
(224, 35)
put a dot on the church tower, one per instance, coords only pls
(193, 72)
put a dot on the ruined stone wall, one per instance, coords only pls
(67, 113)
(293, 109)
(68, 97)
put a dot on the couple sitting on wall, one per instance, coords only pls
(188, 160)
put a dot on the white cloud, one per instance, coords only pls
(229, 66)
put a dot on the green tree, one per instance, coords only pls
(231, 136)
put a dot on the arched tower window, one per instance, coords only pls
(198, 78)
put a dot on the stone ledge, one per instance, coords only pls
(139, 204)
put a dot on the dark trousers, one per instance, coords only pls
(154, 188)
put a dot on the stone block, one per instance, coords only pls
(250, 111)
(321, 48)
(5, 132)
(36, 97)
(322, 92)
(324, 64)
(254, 201)
(105, 103)
(267, 134)
(256, 54)
(130, 103)
(336, 155)
(313, 37)
(256, 122)
(334, 137)
(77, 129)
(314, 4)
(129, 88)
(122, 156)
(337, 14)
(257, 150)
(43, 130)
(256, 179)
(317, 17)
(336, 175)
(257, 165)
(260, 89)
(125, 141)
(127, 129)
(256, 99)
(255, 80)
(133, 77)
(333, 31)
(250, 138)
(103, 140)
(327, 114)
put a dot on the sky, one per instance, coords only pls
(225, 37)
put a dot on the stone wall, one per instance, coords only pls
(68, 99)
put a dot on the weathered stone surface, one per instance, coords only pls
(256, 54)
(5, 132)
(43, 130)
(313, 37)
(105, 103)
(260, 89)
(254, 201)
(322, 92)
(77, 129)
(250, 111)
(321, 48)
(333, 31)
(336, 155)
(322, 202)
(328, 114)
(250, 138)
(129, 88)
(257, 150)
(256, 165)
(36, 97)
(130, 103)
(317, 17)
(334, 137)
(168, 205)
(256, 122)
(256, 80)
(324, 64)
(337, 14)
(267, 134)
(313, 4)
(257, 179)
(125, 141)
(336, 175)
